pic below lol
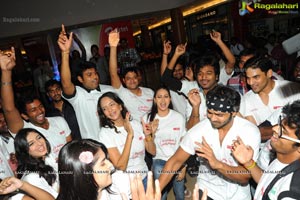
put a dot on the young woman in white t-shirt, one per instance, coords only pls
(124, 138)
(167, 127)
(35, 163)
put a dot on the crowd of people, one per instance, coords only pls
(110, 139)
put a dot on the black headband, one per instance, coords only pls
(218, 104)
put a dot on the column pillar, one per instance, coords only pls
(179, 34)
(145, 34)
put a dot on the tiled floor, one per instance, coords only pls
(190, 183)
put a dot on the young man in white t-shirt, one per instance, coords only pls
(83, 98)
(267, 95)
(211, 140)
(138, 100)
(286, 143)
(31, 110)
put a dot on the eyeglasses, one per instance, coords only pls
(280, 133)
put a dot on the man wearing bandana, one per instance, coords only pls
(211, 140)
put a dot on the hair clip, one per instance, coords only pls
(86, 157)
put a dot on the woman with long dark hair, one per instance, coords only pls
(36, 165)
(124, 138)
(85, 171)
(167, 127)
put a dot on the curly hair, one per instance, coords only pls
(291, 113)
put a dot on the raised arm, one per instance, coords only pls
(65, 43)
(166, 51)
(167, 76)
(11, 113)
(216, 36)
(120, 161)
(113, 40)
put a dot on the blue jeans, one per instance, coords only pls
(178, 186)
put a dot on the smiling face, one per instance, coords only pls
(131, 80)
(178, 72)
(282, 145)
(35, 113)
(102, 171)
(37, 145)
(206, 77)
(257, 79)
(162, 99)
(111, 109)
(89, 79)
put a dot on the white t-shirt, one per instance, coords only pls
(120, 184)
(264, 156)
(219, 187)
(282, 184)
(179, 103)
(224, 77)
(111, 139)
(5, 170)
(40, 182)
(56, 133)
(281, 94)
(138, 106)
(170, 130)
(85, 107)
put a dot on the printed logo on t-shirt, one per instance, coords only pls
(276, 107)
(149, 100)
(167, 142)
(143, 108)
(229, 147)
(138, 154)
(176, 128)
(62, 132)
(141, 137)
(254, 109)
(57, 148)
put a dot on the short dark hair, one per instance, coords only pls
(50, 83)
(130, 69)
(208, 59)
(24, 100)
(258, 62)
(84, 65)
(291, 113)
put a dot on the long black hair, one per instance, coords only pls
(154, 110)
(104, 121)
(76, 178)
(27, 163)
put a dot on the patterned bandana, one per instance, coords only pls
(218, 104)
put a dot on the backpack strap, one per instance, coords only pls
(294, 166)
(294, 191)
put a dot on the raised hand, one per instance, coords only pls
(205, 151)
(180, 49)
(114, 38)
(137, 188)
(242, 153)
(8, 60)
(127, 125)
(154, 125)
(64, 41)
(167, 47)
(194, 97)
(215, 36)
